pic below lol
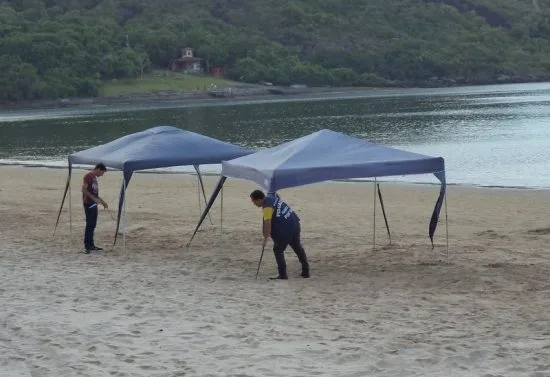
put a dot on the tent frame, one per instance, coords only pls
(376, 185)
(221, 182)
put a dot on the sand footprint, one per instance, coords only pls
(94, 362)
(539, 231)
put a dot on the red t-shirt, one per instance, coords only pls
(91, 180)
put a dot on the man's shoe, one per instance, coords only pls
(305, 273)
(86, 251)
(95, 248)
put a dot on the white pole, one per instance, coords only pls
(199, 192)
(221, 217)
(70, 211)
(446, 228)
(124, 217)
(201, 186)
(374, 218)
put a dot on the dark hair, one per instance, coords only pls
(257, 195)
(101, 167)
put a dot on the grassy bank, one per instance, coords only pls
(159, 80)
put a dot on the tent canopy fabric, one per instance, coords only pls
(157, 147)
(327, 155)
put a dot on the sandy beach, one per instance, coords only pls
(159, 309)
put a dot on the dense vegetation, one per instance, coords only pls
(60, 48)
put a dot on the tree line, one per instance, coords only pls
(65, 48)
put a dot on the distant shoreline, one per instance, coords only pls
(241, 91)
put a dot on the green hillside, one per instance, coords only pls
(60, 48)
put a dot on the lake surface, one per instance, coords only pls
(496, 135)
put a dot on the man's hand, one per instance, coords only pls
(103, 203)
(265, 241)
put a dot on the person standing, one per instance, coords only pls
(282, 224)
(91, 199)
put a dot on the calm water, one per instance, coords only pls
(489, 135)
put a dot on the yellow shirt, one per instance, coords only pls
(268, 212)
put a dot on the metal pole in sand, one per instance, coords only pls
(110, 214)
(199, 192)
(374, 218)
(446, 229)
(260, 261)
(221, 218)
(124, 221)
(70, 212)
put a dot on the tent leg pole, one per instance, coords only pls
(221, 218)
(446, 229)
(70, 212)
(374, 218)
(201, 186)
(124, 221)
(199, 193)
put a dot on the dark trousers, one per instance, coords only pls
(279, 251)
(90, 209)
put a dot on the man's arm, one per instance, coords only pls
(88, 194)
(267, 228)
(267, 213)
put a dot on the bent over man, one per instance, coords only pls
(282, 224)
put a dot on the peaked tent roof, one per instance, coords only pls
(326, 155)
(157, 147)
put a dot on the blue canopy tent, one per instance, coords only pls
(157, 147)
(328, 155)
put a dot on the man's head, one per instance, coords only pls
(257, 197)
(99, 170)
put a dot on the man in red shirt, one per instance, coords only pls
(90, 199)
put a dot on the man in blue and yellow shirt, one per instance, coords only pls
(282, 224)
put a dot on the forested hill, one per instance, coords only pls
(57, 48)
